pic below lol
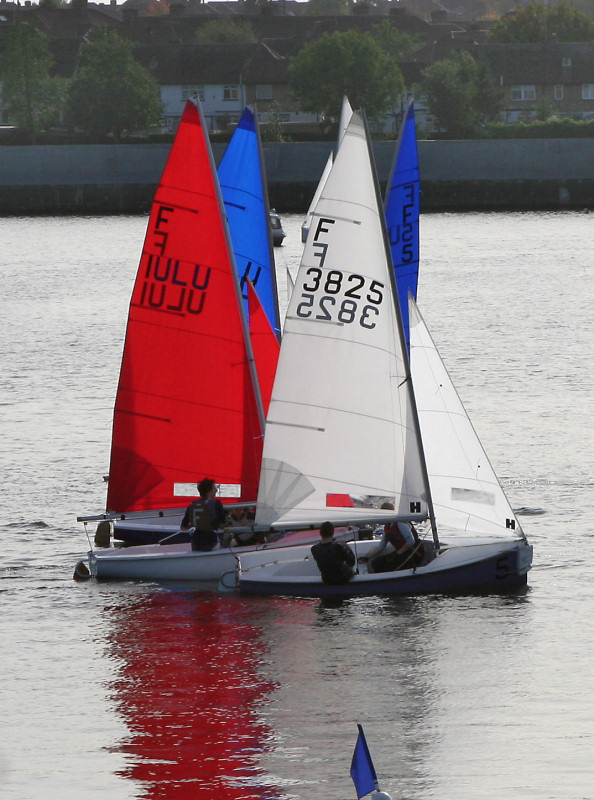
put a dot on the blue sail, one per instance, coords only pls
(243, 185)
(402, 215)
(362, 770)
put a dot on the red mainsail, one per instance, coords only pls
(186, 406)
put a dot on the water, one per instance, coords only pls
(133, 691)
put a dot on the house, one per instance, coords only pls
(557, 77)
(226, 78)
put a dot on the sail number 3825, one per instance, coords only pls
(359, 299)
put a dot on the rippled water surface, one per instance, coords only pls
(136, 691)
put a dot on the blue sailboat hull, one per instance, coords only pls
(503, 571)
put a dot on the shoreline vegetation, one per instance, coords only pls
(550, 128)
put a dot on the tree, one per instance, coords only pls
(460, 94)
(392, 41)
(535, 23)
(351, 64)
(272, 131)
(32, 96)
(225, 30)
(112, 92)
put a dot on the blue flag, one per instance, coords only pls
(362, 769)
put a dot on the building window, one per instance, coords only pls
(558, 91)
(587, 91)
(230, 92)
(192, 91)
(263, 91)
(523, 92)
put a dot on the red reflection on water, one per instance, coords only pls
(189, 689)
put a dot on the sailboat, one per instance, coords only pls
(188, 403)
(363, 770)
(243, 187)
(352, 433)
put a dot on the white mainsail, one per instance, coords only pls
(314, 201)
(345, 115)
(340, 428)
(465, 490)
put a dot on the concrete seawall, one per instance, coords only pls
(515, 174)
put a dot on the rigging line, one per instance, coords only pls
(87, 534)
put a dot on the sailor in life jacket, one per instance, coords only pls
(407, 551)
(204, 516)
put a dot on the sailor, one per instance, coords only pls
(242, 518)
(406, 552)
(335, 560)
(204, 516)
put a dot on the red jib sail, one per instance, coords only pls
(265, 346)
(186, 404)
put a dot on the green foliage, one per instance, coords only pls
(112, 92)
(393, 42)
(272, 131)
(32, 96)
(535, 23)
(551, 128)
(351, 64)
(225, 30)
(460, 94)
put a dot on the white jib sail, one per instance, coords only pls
(466, 493)
(339, 431)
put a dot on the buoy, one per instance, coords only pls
(103, 534)
(81, 572)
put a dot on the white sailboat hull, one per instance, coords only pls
(469, 565)
(178, 562)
